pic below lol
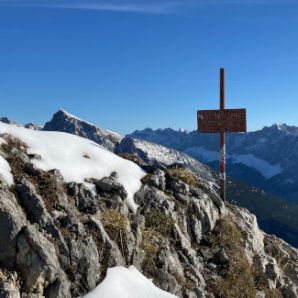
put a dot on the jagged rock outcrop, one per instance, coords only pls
(65, 122)
(33, 126)
(6, 120)
(58, 239)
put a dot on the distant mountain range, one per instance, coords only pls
(250, 161)
(266, 158)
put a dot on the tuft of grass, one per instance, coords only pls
(281, 259)
(238, 281)
(273, 293)
(184, 175)
(146, 178)
(229, 235)
(148, 243)
(187, 283)
(116, 225)
(160, 222)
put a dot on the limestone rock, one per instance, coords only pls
(58, 239)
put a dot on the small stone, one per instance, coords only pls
(223, 257)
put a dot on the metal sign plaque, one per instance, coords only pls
(227, 120)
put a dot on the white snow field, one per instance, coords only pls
(5, 170)
(264, 167)
(75, 157)
(122, 282)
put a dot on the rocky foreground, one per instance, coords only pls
(58, 239)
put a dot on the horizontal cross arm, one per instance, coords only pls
(227, 120)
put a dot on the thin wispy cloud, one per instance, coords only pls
(142, 6)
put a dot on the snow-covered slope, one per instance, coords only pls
(66, 122)
(127, 283)
(76, 158)
(5, 170)
(266, 169)
(152, 153)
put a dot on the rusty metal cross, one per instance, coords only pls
(222, 121)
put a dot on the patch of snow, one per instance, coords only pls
(184, 130)
(162, 154)
(5, 171)
(114, 133)
(281, 126)
(75, 117)
(92, 188)
(203, 154)
(2, 141)
(157, 152)
(127, 283)
(264, 167)
(169, 156)
(289, 181)
(65, 152)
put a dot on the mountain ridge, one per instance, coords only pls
(265, 158)
(66, 122)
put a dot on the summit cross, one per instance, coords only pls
(222, 121)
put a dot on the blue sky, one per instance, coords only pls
(127, 65)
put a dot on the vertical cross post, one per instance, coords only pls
(221, 121)
(222, 163)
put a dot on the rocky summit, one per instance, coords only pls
(59, 237)
(66, 122)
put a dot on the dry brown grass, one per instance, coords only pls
(148, 241)
(184, 175)
(44, 181)
(261, 283)
(273, 293)
(160, 222)
(146, 178)
(238, 280)
(116, 225)
(281, 258)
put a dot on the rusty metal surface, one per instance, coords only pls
(222, 159)
(222, 121)
(217, 121)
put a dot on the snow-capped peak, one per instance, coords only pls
(66, 122)
(287, 128)
(71, 116)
